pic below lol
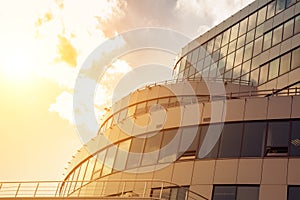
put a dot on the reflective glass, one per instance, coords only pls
(273, 69)
(243, 26)
(285, 63)
(225, 38)
(263, 76)
(248, 51)
(247, 193)
(288, 29)
(232, 46)
(295, 58)
(254, 77)
(258, 46)
(278, 134)
(295, 139)
(253, 139)
(250, 36)
(294, 192)
(271, 10)
(241, 41)
(230, 143)
(224, 51)
(277, 35)
(218, 42)
(290, 2)
(239, 56)
(230, 60)
(280, 6)
(252, 21)
(234, 32)
(206, 150)
(237, 72)
(261, 15)
(297, 25)
(267, 40)
(224, 193)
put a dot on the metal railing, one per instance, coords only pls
(140, 188)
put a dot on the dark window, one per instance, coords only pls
(189, 142)
(277, 138)
(280, 6)
(170, 193)
(169, 146)
(295, 139)
(254, 139)
(209, 142)
(241, 41)
(231, 192)
(230, 143)
(290, 2)
(294, 192)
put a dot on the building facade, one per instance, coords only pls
(227, 126)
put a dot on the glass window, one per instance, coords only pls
(199, 65)
(239, 56)
(189, 139)
(259, 31)
(263, 76)
(235, 192)
(225, 39)
(221, 65)
(277, 138)
(267, 40)
(224, 51)
(241, 41)
(230, 143)
(152, 147)
(290, 2)
(234, 32)
(253, 139)
(261, 15)
(250, 36)
(295, 58)
(224, 193)
(208, 144)
(237, 72)
(247, 193)
(207, 61)
(288, 29)
(277, 35)
(169, 146)
(280, 6)
(136, 149)
(243, 26)
(228, 74)
(218, 42)
(297, 25)
(271, 10)
(252, 21)
(246, 67)
(121, 155)
(232, 46)
(258, 46)
(210, 46)
(254, 77)
(89, 169)
(285, 63)
(216, 56)
(195, 55)
(202, 52)
(295, 139)
(273, 69)
(230, 60)
(248, 51)
(109, 160)
(294, 192)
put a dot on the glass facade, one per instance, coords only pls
(236, 192)
(231, 52)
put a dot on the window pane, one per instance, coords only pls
(252, 21)
(195, 55)
(254, 139)
(136, 148)
(261, 15)
(206, 149)
(121, 155)
(288, 29)
(254, 77)
(241, 41)
(278, 134)
(285, 63)
(277, 35)
(189, 139)
(247, 193)
(170, 144)
(221, 65)
(246, 67)
(237, 72)
(290, 2)
(109, 160)
(239, 56)
(250, 36)
(294, 193)
(234, 32)
(297, 24)
(224, 193)
(243, 26)
(280, 6)
(271, 10)
(263, 76)
(295, 139)
(257, 46)
(267, 40)
(218, 42)
(295, 58)
(230, 144)
(230, 60)
(259, 31)
(248, 51)
(225, 37)
(274, 68)
(210, 46)
(232, 46)
(224, 51)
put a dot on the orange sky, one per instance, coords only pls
(42, 46)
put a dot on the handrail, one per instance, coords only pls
(36, 189)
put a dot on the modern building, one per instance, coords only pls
(227, 127)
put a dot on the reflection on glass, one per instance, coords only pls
(267, 40)
(248, 51)
(290, 2)
(241, 41)
(285, 63)
(243, 26)
(232, 46)
(295, 139)
(277, 35)
(288, 29)
(294, 192)
(224, 51)
(225, 39)
(224, 193)
(297, 25)
(239, 56)
(237, 72)
(271, 10)
(278, 134)
(218, 42)
(230, 60)
(280, 6)
(259, 31)
(261, 15)
(247, 193)
(252, 21)
(258, 46)
(234, 32)
(254, 77)
(274, 68)
(263, 74)
(295, 58)
(250, 36)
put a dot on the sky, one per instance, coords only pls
(43, 45)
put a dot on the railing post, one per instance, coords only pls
(145, 189)
(123, 189)
(18, 190)
(161, 190)
(36, 189)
